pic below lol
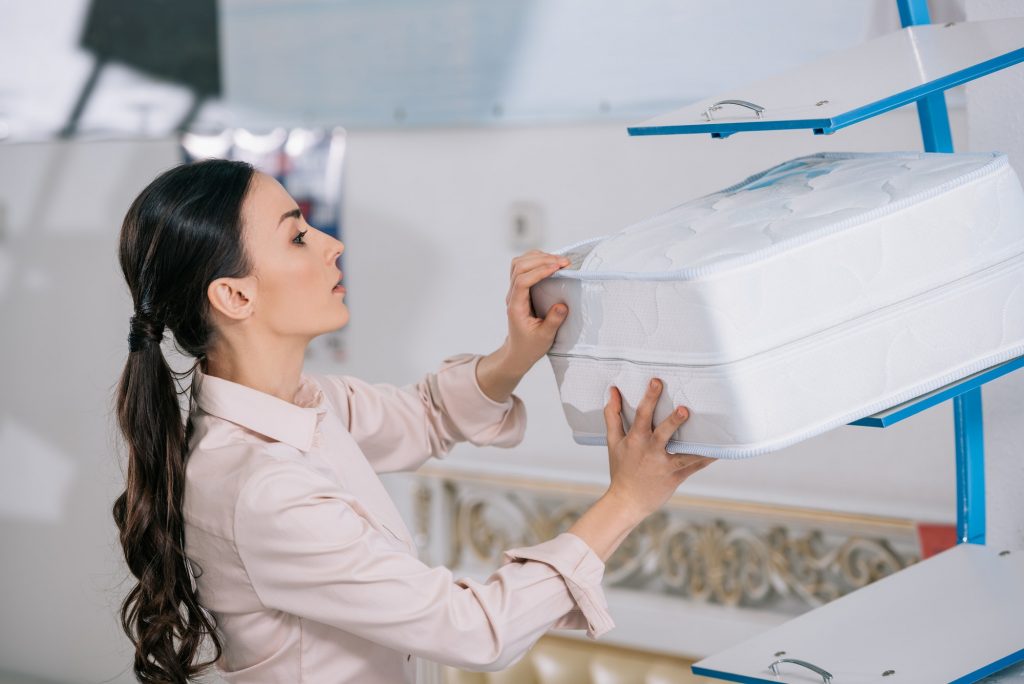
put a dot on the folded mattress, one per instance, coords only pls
(807, 296)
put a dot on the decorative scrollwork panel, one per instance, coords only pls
(714, 554)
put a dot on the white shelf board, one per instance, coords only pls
(854, 84)
(955, 617)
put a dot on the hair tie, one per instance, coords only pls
(144, 330)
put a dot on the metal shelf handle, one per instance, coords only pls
(826, 677)
(757, 109)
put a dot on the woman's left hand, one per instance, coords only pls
(529, 336)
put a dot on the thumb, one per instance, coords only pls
(556, 314)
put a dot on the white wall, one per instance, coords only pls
(64, 309)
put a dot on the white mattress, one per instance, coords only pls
(805, 297)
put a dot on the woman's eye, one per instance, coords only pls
(298, 238)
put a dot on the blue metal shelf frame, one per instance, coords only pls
(966, 395)
(970, 447)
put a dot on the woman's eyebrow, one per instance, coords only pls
(294, 213)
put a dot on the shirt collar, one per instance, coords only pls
(291, 423)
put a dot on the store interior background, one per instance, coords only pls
(488, 113)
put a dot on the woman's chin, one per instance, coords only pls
(342, 318)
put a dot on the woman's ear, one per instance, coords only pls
(233, 297)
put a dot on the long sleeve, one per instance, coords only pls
(398, 428)
(308, 552)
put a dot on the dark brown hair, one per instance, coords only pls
(183, 231)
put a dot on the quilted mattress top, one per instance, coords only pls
(783, 207)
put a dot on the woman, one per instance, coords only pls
(299, 567)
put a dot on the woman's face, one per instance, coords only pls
(295, 265)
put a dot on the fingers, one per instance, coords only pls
(532, 259)
(645, 411)
(613, 417)
(525, 255)
(527, 279)
(667, 427)
(519, 293)
(525, 272)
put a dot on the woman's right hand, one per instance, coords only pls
(643, 474)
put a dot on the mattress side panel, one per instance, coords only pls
(772, 400)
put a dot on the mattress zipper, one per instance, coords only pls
(615, 358)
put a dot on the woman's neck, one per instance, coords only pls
(272, 369)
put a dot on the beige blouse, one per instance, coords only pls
(303, 560)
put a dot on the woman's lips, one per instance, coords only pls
(339, 289)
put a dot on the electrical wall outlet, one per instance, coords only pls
(525, 225)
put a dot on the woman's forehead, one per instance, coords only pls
(266, 201)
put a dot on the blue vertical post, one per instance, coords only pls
(931, 109)
(970, 468)
(967, 418)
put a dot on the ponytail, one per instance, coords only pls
(163, 607)
(181, 232)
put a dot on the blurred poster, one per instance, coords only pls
(309, 163)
